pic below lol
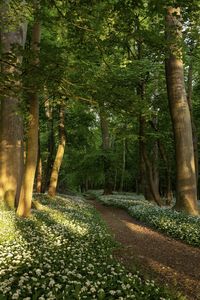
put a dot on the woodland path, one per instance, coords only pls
(161, 258)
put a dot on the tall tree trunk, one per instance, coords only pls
(142, 173)
(51, 142)
(186, 189)
(25, 201)
(11, 126)
(123, 164)
(155, 159)
(108, 183)
(59, 154)
(194, 129)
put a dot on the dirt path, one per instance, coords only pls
(167, 260)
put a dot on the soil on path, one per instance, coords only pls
(164, 259)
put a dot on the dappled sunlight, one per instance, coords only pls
(63, 219)
(133, 227)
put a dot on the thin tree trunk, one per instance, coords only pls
(142, 173)
(51, 142)
(123, 164)
(108, 184)
(25, 201)
(39, 170)
(143, 182)
(115, 180)
(186, 189)
(11, 126)
(169, 194)
(59, 155)
(148, 166)
(155, 159)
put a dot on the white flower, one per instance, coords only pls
(51, 282)
(38, 272)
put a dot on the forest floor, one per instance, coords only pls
(159, 257)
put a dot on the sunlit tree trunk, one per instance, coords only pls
(186, 190)
(39, 169)
(108, 183)
(59, 155)
(25, 201)
(11, 126)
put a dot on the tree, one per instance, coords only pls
(60, 153)
(26, 193)
(11, 127)
(186, 189)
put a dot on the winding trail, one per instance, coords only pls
(159, 257)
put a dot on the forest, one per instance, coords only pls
(99, 149)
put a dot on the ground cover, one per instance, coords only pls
(166, 220)
(64, 251)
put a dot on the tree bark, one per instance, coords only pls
(186, 189)
(155, 159)
(115, 180)
(51, 142)
(194, 129)
(39, 169)
(142, 173)
(123, 164)
(11, 126)
(164, 157)
(152, 187)
(108, 183)
(59, 155)
(25, 201)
